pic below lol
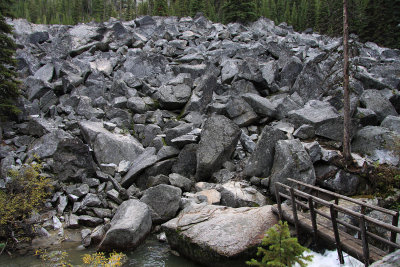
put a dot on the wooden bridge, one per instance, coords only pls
(332, 228)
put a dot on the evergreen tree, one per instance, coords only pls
(160, 8)
(279, 249)
(303, 15)
(98, 10)
(196, 6)
(280, 11)
(239, 11)
(8, 77)
(286, 14)
(294, 16)
(129, 11)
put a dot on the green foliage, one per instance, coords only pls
(196, 6)
(371, 20)
(24, 194)
(160, 8)
(279, 249)
(99, 259)
(8, 77)
(239, 11)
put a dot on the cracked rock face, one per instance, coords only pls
(217, 235)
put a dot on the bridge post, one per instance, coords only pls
(336, 232)
(278, 201)
(294, 208)
(313, 218)
(393, 235)
(364, 241)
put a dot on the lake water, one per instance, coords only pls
(153, 253)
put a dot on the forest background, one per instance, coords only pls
(371, 20)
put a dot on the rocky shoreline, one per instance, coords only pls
(187, 124)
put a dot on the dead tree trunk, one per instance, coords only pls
(346, 96)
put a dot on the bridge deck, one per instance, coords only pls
(350, 244)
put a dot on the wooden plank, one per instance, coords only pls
(390, 212)
(350, 244)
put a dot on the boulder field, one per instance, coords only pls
(187, 124)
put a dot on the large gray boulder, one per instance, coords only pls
(202, 93)
(260, 161)
(291, 161)
(71, 157)
(239, 194)
(377, 143)
(240, 112)
(109, 147)
(325, 119)
(163, 201)
(261, 105)
(173, 97)
(378, 103)
(218, 141)
(144, 65)
(217, 235)
(392, 123)
(187, 161)
(129, 226)
(390, 260)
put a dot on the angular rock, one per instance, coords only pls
(291, 161)
(377, 102)
(89, 221)
(240, 112)
(146, 159)
(261, 105)
(163, 201)
(180, 181)
(218, 141)
(392, 123)
(381, 144)
(71, 156)
(173, 97)
(366, 117)
(290, 72)
(305, 131)
(216, 235)
(109, 147)
(212, 195)
(270, 72)
(239, 194)
(91, 200)
(261, 160)
(187, 161)
(343, 183)
(137, 104)
(326, 121)
(129, 226)
(202, 94)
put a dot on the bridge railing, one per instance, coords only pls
(295, 196)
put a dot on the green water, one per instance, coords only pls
(151, 253)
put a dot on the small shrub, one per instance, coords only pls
(24, 194)
(54, 258)
(279, 249)
(99, 259)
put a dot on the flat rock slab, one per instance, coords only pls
(217, 235)
(146, 159)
